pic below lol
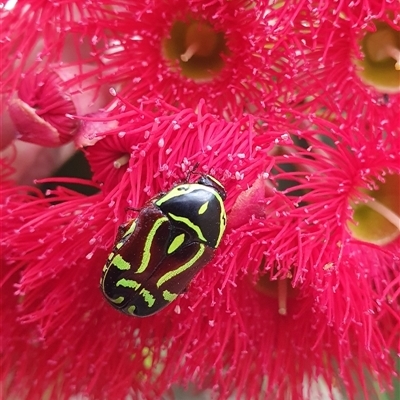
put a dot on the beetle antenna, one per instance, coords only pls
(191, 172)
(132, 209)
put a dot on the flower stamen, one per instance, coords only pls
(198, 49)
(279, 289)
(120, 162)
(282, 296)
(394, 52)
(386, 212)
(382, 45)
(380, 48)
(377, 220)
(190, 52)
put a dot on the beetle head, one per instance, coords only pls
(210, 181)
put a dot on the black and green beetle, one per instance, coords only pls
(157, 254)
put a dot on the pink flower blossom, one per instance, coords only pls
(277, 100)
(286, 297)
(184, 50)
(334, 57)
(44, 73)
(230, 60)
(36, 33)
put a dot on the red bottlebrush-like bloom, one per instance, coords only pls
(44, 74)
(187, 50)
(286, 298)
(57, 31)
(304, 285)
(69, 223)
(148, 147)
(183, 51)
(352, 53)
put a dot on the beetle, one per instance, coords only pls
(157, 254)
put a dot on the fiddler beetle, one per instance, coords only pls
(157, 254)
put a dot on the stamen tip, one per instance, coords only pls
(282, 311)
(123, 160)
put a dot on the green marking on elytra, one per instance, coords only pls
(176, 243)
(222, 222)
(131, 310)
(148, 297)
(105, 268)
(183, 190)
(180, 190)
(131, 229)
(128, 283)
(216, 181)
(149, 241)
(110, 257)
(120, 263)
(203, 208)
(222, 214)
(190, 224)
(119, 245)
(118, 300)
(169, 275)
(168, 296)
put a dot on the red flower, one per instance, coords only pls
(183, 51)
(305, 283)
(235, 328)
(188, 50)
(45, 76)
(57, 31)
(147, 147)
(89, 224)
(352, 54)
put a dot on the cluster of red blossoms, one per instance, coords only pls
(292, 105)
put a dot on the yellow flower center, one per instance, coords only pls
(378, 221)
(381, 64)
(195, 48)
